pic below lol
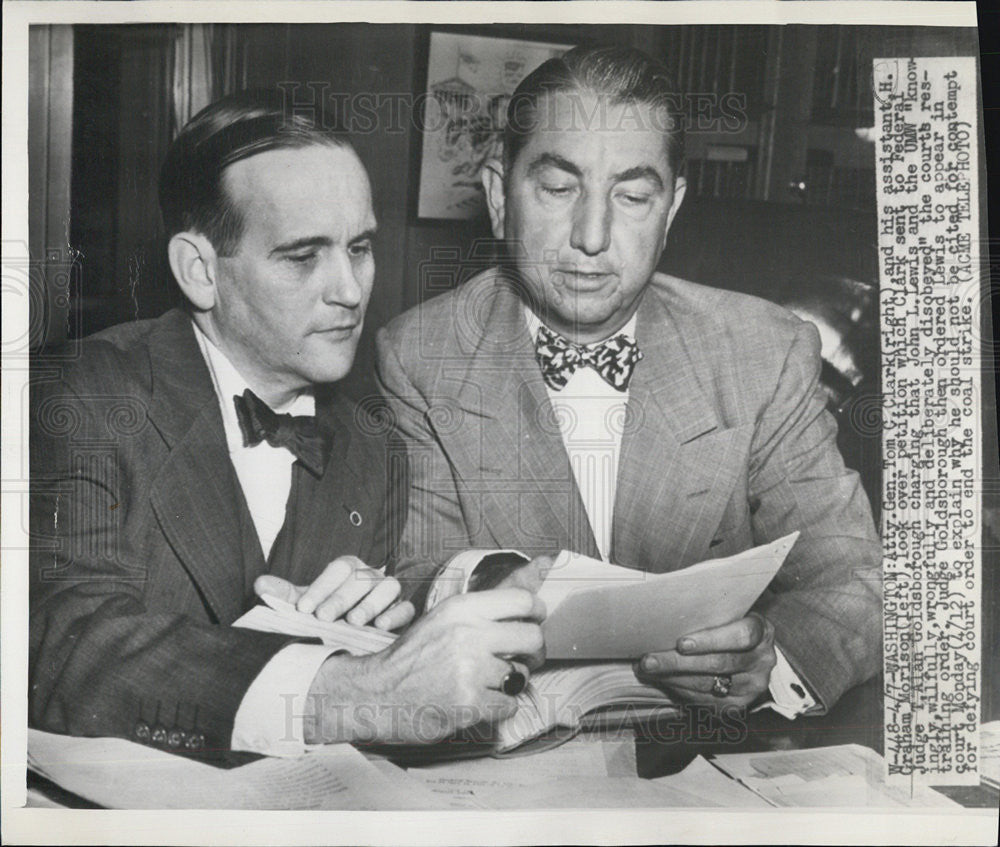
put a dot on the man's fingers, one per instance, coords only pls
(334, 575)
(358, 585)
(514, 638)
(672, 663)
(530, 575)
(496, 604)
(277, 587)
(396, 616)
(741, 635)
(378, 599)
(743, 690)
(535, 659)
(701, 684)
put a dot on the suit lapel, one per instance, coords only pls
(195, 495)
(514, 461)
(318, 518)
(673, 461)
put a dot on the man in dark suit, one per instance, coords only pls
(575, 399)
(183, 464)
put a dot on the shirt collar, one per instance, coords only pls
(229, 383)
(534, 322)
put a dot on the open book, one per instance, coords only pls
(595, 611)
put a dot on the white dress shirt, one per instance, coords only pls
(269, 719)
(591, 416)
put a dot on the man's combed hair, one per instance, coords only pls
(622, 74)
(192, 194)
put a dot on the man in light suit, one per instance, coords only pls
(182, 465)
(573, 398)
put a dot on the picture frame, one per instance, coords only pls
(468, 81)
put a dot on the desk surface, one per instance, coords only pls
(662, 747)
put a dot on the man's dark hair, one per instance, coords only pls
(192, 194)
(622, 74)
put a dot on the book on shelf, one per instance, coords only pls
(601, 618)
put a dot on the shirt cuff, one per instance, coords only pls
(457, 573)
(269, 719)
(789, 695)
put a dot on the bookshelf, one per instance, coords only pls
(772, 112)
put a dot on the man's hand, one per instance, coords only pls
(346, 588)
(444, 674)
(742, 650)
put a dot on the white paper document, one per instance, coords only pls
(583, 773)
(848, 776)
(707, 781)
(602, 611)
(280, 616)
(120, 774)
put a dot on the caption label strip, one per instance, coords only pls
(927, 172)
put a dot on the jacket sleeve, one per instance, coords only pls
(434, 521)
(825, 602)
(116, 647)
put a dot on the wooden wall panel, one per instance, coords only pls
(50, 108)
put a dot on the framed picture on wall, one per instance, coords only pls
(470, 79)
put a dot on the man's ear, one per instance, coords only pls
(492, 176)
(680, 187)
(194, 263)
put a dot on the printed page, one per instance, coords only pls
(600, 772)
(702, 778)
(478, 783)
(116, 773)
(596, 793)
(848, 776)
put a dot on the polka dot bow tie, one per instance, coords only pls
(559, 358)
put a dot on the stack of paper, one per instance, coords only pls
(705, 780)
(848, 775)
(120, 774)
(581, 774)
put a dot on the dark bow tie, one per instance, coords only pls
(559, 358)
(299, 434)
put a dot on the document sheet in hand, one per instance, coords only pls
(601, 611)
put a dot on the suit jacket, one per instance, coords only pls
(726, 445)
(143, 550)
